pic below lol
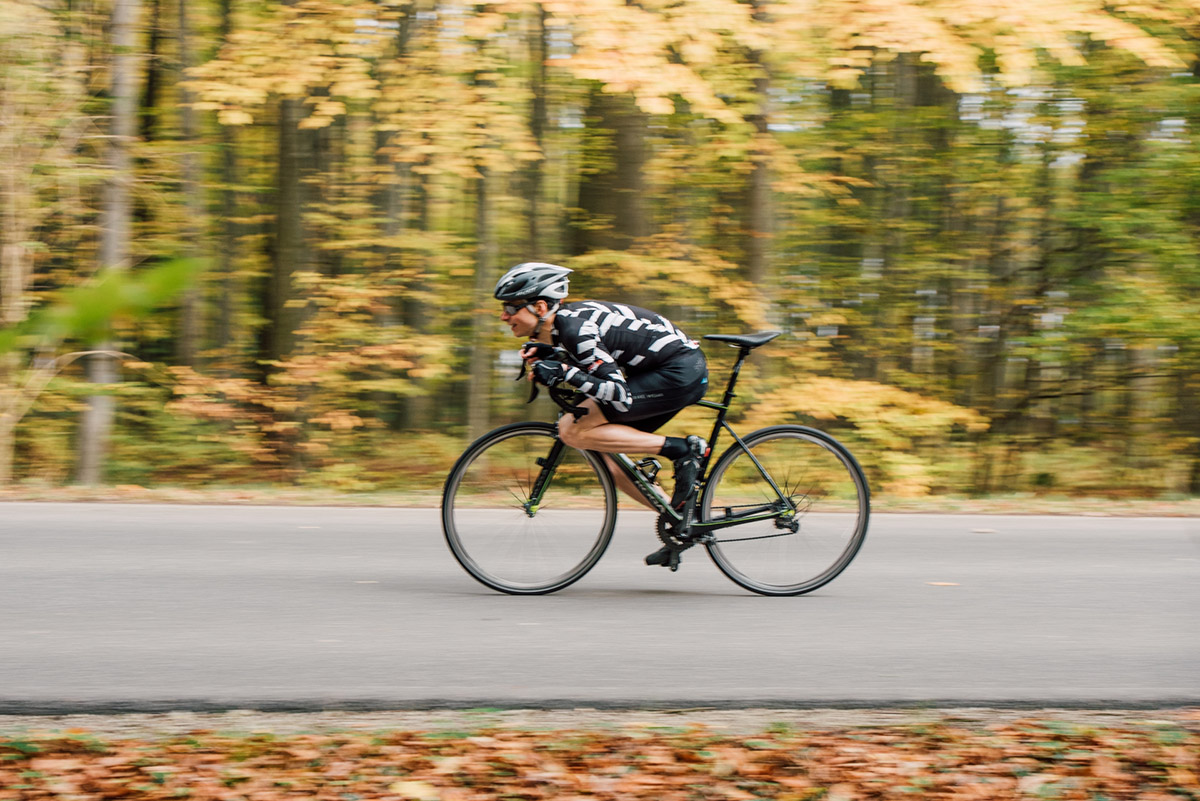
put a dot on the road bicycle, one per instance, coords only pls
(782, 511)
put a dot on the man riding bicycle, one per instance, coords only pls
(636, 369)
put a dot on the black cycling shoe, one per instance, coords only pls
(666, 556)
(660, 557)
(687, 470)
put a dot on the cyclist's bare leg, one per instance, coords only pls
(628, 487)
(593, 432)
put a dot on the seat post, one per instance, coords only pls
(737, 368)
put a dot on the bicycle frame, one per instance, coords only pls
(765, 512)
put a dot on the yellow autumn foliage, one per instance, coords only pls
(898, 435)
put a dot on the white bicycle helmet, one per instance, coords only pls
(531, 280)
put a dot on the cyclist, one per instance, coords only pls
(636, 368)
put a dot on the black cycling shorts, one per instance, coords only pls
(660, 395)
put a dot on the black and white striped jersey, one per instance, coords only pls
(603, 342)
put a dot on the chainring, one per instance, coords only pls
(667, 531)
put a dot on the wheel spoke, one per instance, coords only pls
(831, 511)
(520, 502)
(500, 544)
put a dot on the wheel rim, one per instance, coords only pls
(830, 497)
(495, 537)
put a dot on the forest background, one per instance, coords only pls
(248, 242)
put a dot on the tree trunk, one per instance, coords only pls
(228, 344)
(419, 407)
(1187, 421)
(989, 365)
(483, 318)
(612, 189)
(1145, 403)
(288, 254)
(190, 322)
(226, 341)
(149, 115)
(537, 129)
(14, 277)
(405, 207)
(15, 264)
(8, 424)
(759, 228)
(96, 423)
(393, 205)
(9, 399)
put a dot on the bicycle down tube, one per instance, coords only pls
(550, 462)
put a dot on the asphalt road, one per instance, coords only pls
(108, 607)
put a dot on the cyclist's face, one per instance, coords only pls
(522, 321)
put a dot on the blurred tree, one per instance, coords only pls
(612, 212)
(189, 339)
(42, 119)
(961, 214)
(96, 423)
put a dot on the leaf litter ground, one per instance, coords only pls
(1151, 757)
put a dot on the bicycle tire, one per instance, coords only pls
(518, 550)
(832, 501)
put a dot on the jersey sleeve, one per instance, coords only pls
(594, 371)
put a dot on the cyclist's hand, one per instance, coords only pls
(549, 373)
(534, 351)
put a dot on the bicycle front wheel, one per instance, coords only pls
(776, 552)
(525, 514)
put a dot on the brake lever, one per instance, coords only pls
(533, 385)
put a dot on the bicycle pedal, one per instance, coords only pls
(649, 469)
(661, 557)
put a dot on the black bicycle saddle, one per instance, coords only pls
(747, 341)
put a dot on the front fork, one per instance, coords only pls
(549, 463)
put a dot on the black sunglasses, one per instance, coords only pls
(512, 308)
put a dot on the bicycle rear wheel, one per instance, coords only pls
(786, 555)
(525, 514)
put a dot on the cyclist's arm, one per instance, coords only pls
(594, 371)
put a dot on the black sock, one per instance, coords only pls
(674, 448)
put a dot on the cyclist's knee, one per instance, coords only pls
(569, 431)
(572, 431)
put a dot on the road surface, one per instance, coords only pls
(111, 607)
